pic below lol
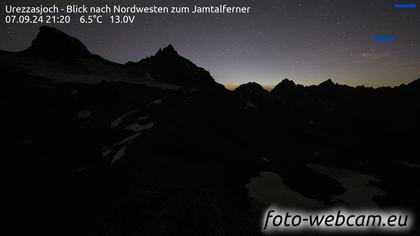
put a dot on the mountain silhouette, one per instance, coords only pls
(327, 84)
(74, 62)
(285, 88)
(53, 43)
(251, 89)
(415, 84)
(168, 66)
(115, 149)
(289, 92)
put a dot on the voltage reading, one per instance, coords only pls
(122, 19)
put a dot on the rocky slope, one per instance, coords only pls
(159, 148)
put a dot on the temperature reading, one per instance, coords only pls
(90, 19)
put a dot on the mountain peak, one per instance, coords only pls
(327, 83)
(285, 85)
(53, 43)
(415, 83)
(168, 51)
(287, 82)
(169, 48)
(250, 88)
(168, 66)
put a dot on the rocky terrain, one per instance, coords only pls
(157, 147)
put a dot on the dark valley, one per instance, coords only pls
(158, 147)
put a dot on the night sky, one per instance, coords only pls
(307, 41)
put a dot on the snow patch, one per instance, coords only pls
(27, 141)
(84, 114)
(264, 159)
(156, 102)
(119, 155)
(270, 188)
(81, 169)
(128, 139)
(118, 121)
(106, 152)
(358, 191)
(251, 105)
(138, 128)
(408, 164)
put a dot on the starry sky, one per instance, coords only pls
(307, 41)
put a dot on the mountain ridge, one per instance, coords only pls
(53, 45)
(167, 65)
